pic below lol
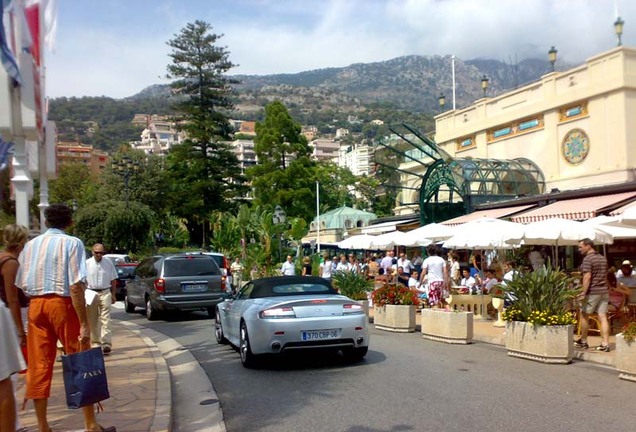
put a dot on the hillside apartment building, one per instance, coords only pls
(72, 152)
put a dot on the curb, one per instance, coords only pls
(162, 419)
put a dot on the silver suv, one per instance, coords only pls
(176, 282)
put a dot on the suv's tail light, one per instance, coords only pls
(160, 285)
(226, 264)
(224, 285)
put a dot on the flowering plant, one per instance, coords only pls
(629, 331)
(537, 317)
(394, 294)
(542, 297)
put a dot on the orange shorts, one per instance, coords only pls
(51, 317)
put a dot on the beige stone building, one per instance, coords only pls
(571, 127)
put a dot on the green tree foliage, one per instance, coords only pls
(171, 231)
(335, 183)
(147, 182)
(284, 174)
(73, 182)
(119, 227)
(101, 121)
(204, 171)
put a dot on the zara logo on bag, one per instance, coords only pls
(91, 374)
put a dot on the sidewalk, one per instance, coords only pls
(139, 386)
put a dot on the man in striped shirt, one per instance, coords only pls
(594, 294)
(53, 272)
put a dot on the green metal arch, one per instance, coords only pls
(455, 186)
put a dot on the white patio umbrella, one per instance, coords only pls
(361, 241)
(563, 232)
(613, 225)
(390, 240)
(485, 233)
(629, 216)
(430, 233)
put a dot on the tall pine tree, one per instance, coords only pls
(205, 173)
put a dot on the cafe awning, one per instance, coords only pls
(490, 213)
(386, 227)
(575, 209)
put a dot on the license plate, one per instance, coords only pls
(194, 287)
(320, 334)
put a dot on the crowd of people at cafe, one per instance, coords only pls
(443, 272)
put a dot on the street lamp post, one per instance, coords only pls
(442, 101)
(618, 29)
(484, 84)
(125, 168)
(552, 55)
(279, 218)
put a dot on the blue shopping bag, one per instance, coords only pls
(85, 378)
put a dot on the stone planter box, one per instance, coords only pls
(625, 358)
(395, 318)
(545, 344)
(447, 326)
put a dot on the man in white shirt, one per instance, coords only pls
(387, 261)
(343, 264)
(435, 272)
(511, 273)
(288, 268)
(325, 267)
(101, 279)
(626, 276)
(237, 273)
(405, 263)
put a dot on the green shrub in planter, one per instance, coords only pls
(543, 297)
(353, 285)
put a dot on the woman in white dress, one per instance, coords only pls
(12, 334)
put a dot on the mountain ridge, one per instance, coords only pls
(412, 82)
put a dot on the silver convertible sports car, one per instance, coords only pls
(279, 314)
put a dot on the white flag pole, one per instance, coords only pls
(453, 69)
(318, 215)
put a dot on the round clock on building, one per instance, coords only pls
(576, 146)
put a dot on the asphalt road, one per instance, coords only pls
(405, 383)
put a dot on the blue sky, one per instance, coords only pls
(117, 47)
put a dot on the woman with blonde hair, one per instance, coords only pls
(306, 267)
(12, 334)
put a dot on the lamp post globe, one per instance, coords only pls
(484, 84)
(618, 29)
(552, 55)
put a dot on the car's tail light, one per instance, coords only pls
(160, 285)
(278, 312)
(352, 308)
(226, 265)
(224, 285)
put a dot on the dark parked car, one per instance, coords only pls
(125, 272)
(176, 282)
